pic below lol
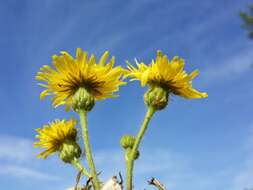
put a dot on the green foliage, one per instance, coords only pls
(248, 21)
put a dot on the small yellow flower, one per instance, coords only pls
(53, 135)
(68, 75)
(169, 75)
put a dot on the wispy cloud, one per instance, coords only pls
(172, 168)
(198, 38)
(17, 157)
(25, 173)
(228, 69)
(16, 149)
(243, 179)
(110, 162)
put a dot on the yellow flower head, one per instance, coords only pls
(169, 75)
(69, 74)
(53, 135)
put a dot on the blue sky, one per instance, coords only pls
(193, 144)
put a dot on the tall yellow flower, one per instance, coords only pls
(55, 135)
(101, 80)
(169, 75)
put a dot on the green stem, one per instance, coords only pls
(83, 119)
(76, 163)
(130, 160)
(129, 173)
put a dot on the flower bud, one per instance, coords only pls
(128, 154)
(156, 97)
(136, 155)
(127, 141)
(83, 100)
(70, 150)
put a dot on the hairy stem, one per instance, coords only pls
(130, 157)
(83, 119)
(76, 163)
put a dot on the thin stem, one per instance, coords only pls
(130, 160)
(83, 119)
(76, 163)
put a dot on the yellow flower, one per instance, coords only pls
(68, 75)
(169, 75)
(53, 135)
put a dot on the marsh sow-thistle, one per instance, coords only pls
(78, 83)
(68, 75)
(164, 77)
(59, 136)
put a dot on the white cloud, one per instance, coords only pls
(16, 149)
(243, 179)
(24, 173)
(230, 68)
(18, 156)
(170, 167)
(175, 170)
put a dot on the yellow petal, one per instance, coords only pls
(103, 58)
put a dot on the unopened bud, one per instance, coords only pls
(136, 154)
(127, 141)
(156, 97)
(83, 100)
(129, 152)
(70, 150)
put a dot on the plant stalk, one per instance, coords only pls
(130, 157)
(76, 163)
(83, 119)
